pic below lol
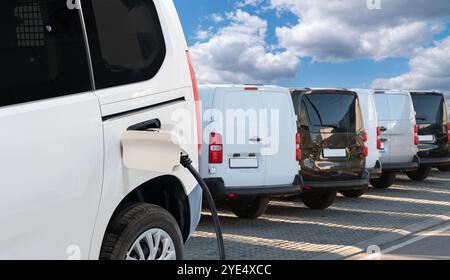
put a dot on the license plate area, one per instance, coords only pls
(426, 138)
(243, 163)
(334, 153)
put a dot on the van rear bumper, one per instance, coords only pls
(404, 166)
(220, 192)
(376, 171)
(435, 161)
(338, 185)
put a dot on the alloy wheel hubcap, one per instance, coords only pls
(154, 244)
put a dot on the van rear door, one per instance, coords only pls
(331, 124)
(431, 117)
(401, 128)
(242, 159)
(278, 142)
(384, 121)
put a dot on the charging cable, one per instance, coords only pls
(187, 163)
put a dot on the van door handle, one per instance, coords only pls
(383, 129)
(255, 139)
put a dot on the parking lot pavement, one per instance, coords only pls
(290, 231)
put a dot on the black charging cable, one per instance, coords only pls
(187, 163)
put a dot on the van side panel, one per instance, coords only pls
(382, 106)
(369, 113)
(52, 166)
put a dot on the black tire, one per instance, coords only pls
(319, 200)
(355, 193)
(385, 181)
(420, 174)
(445, 168)
(127, 226)
(250, 209)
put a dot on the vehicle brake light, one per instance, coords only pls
(366, 149)
(378, 138)
(448, 132)
(251, 88)
(416, 135)
(298, 151)
(198, 113)
(215, 148)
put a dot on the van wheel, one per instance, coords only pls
(420, 174)
(445, 168)
(142, 231)
(355, 193)
(386, 180)
(319, 200)
(250, 208)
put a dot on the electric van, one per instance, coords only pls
(399, 139)
(433, 133)
(371, 127)
(77, 77)
(251, 146)
(333, 145)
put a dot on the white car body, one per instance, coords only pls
(370, 118)
(396, 117)
(258, 158)
(62, 171)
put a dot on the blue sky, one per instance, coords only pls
(325, 53)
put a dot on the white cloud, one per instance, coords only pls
(430, 69)
(336, 30)
(238, 53)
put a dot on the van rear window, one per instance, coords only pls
(429, 108)
(335, 111)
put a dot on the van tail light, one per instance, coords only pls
(416, 135)
(198, 113)
(448, 132)
(298, 151)
(378, 138)
(215, 148)
(365, 149)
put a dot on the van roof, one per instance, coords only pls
(315, 89)
(379, 91)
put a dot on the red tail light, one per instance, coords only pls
(448, 132)
(197, 101)
(365, 150)
(378, 138)
(298, 151)
(416, 135)
(215, 148)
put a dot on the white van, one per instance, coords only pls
(251, 149)
(399, 138)
(76, 79)
(373, 131)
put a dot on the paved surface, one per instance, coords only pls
(290, 231)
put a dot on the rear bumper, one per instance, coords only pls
(435, 161)
(403, 166)
(220, 192)
(338, 185)
(376, 171)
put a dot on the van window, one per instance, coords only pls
(335, 111)
(126, 41)
(429, 108)
(400, 107)
(42, 51)
(382, 105)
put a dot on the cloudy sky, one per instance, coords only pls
(320, 43)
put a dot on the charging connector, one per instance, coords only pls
(187, 163)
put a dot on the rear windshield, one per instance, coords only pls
(330, 111)
(429, 108)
